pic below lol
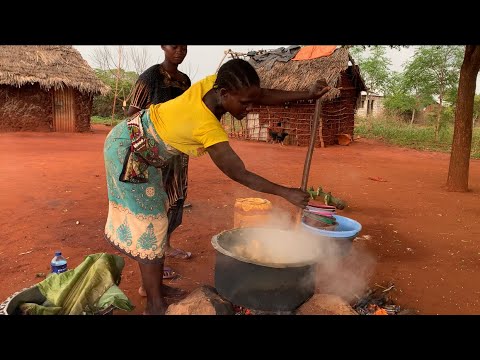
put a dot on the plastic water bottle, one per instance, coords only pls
(58, 263)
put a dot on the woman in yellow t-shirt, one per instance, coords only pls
(136, 150)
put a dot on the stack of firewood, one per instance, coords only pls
(377, 301)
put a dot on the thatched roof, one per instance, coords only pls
(50, 66)
(301, 75)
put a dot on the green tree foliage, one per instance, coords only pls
(403, 100)
(434, 71)
(357, 53)
(397, 99)
(102, 105)
(374, 67)
(476, 109)
(465, 102)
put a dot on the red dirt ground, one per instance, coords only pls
(419, 236)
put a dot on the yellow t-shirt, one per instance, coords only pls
(186, 123)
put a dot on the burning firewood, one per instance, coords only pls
(240, 310)
(377, 301)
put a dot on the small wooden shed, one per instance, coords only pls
(338, 109)
(46, 88)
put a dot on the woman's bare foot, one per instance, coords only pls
(167, 291)
(155, 309)
(170, 291)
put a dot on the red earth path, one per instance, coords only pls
(415, 234)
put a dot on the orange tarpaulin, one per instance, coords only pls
(314, 51)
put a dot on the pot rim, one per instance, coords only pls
(224, 251)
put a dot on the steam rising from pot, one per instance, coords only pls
(336, 273)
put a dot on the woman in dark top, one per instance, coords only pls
(158, 84)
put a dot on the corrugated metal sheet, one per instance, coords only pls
(64, 110)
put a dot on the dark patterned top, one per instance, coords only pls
(155, 86)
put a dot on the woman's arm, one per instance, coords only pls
(139, 96)
(278, 97)
(231, 165)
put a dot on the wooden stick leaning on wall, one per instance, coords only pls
(320, 132)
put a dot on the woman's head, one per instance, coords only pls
(175, 53)
(238, 85)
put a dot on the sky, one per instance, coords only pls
(203, 60)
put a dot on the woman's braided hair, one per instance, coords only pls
(236, 74)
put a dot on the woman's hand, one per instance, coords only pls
(319, 89)
(231, 165)
(297, 197)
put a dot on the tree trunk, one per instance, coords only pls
(439, 116)
(413, 117)
(458, 169)
(367, 97)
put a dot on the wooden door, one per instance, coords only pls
(63, 110)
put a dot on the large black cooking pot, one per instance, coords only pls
(265, 269)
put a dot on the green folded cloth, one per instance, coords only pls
(87, 289)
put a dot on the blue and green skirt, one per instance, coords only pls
(137, 222)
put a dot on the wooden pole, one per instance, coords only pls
(225, 53)
(311, 147)
(116, 83)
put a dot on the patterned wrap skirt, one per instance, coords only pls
(137, 222)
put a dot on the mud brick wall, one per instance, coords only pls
(30, 108)
(83, 111)
(297, 118)
(337, 118)
(25, 108)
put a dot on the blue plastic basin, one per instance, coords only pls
(347, 229)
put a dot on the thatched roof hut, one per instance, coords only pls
(338, 109)
(46, 87)
(301, 75)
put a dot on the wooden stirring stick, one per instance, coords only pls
(308, 159)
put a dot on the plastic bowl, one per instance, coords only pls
(347, 229)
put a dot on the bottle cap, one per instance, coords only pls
(58, 253)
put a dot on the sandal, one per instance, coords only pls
(168, 273)
(178, 254)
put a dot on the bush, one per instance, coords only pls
(417, 136)
(103, 105)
